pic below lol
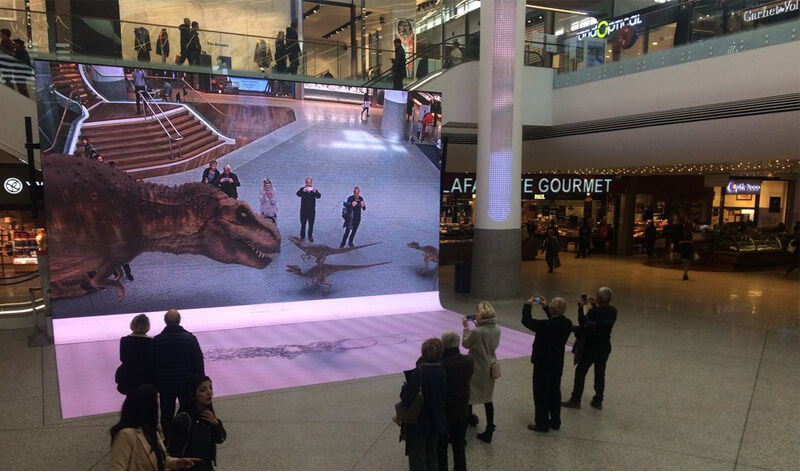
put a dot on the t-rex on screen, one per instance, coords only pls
(104, 218)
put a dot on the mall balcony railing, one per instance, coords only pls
(117, 43)
(663, 36)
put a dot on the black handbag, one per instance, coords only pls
(410, 414)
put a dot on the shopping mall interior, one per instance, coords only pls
(364, 157)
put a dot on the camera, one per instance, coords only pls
(537, 300)
(583, 297)
(470, 317)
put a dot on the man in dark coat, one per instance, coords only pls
(175, 356)
(308, 208)
(352, 209)
(293, 48)
(548, 360)
(186, 36)
(596, 326)
(398, 65)
(227, 182)
(459, 372)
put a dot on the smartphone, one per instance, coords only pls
(583, 298)
(470, 317)
(537, 300)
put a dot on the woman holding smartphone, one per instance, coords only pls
(482, 343)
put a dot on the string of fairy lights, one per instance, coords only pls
(760, 168)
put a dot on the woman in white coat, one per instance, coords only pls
(482, 343)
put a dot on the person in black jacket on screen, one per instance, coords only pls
(175, 356)
(308, 208)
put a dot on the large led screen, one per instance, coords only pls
(137, 222)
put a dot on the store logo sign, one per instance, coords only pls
(540, 186)
(743, 188)
(602, 29)
(12, 185)
(767, 11)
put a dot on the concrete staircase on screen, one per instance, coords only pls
(65, 76)
(141, 147)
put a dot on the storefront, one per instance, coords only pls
(20, 229)
(762, 203)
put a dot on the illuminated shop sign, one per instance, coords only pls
(771, 9)
(538, 187)
(605, 27)
(743, 188)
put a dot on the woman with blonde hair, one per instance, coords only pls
(133, 348)
(482, 343)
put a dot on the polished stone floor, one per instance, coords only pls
(704, 374)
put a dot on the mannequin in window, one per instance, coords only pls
(142, 44)
(162, 45)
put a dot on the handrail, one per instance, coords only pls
(170, 138)
(189, 86)
(73, 89)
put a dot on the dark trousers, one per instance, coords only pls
(307, 217)
(349, 232)
(397, 79)
(457, 436)
(583, 247)
(650, 247)
(489, 408)
(139, 98)
(421, 449)
(547, 396)
(794, 263)
(183, 57)
(551, 262)
(167, 396)
(599, 360)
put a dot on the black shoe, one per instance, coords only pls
(486, 436)
(571, 404)
(351, 244)
(302, 238)
(310, 239)
(341, 246)
(473, 420)
(555, 427)
(597, 405)
(685, 277)
(129, 276)
(537, 428)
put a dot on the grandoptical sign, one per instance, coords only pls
(743, 187)
(535, 184)
(771, 9)
(605, 27)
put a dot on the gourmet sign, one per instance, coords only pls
(465, 183)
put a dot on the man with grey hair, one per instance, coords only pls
(548, 360)
(175, 357)
(228, 181)
(596, 325)
(459, 372)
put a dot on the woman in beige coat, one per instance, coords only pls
(482, 343)
(136, 443)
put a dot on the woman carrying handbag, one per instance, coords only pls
(482, 343)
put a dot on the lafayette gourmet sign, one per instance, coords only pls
(602, 29)
(771, 9)
(465, 183)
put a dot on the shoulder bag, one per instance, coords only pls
(410, 414)
(495, 371)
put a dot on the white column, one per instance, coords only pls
(497, 244)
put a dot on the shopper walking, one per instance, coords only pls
(548, 360)
(792, 249)
(482, 343)
(194, 48)
(196, 430)
(269, 204)
(365, 104)
(175, 356)
(136, 443)
(308, 208)
(139, 87)
(596, 325)
(686, 250)
(228, 181)
(650, 238)
(429, 378)
(551, 251)
(459, 373)
(352, 216)
(398, 65)
(280, 53)
(293, 48)
(185, 30)
(584, 239)
(134, 369)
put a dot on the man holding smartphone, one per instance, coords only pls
(547, 359)
(308, 208)
(596, 325)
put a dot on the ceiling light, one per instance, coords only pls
(655, 43)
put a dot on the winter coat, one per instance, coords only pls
(482, 343)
